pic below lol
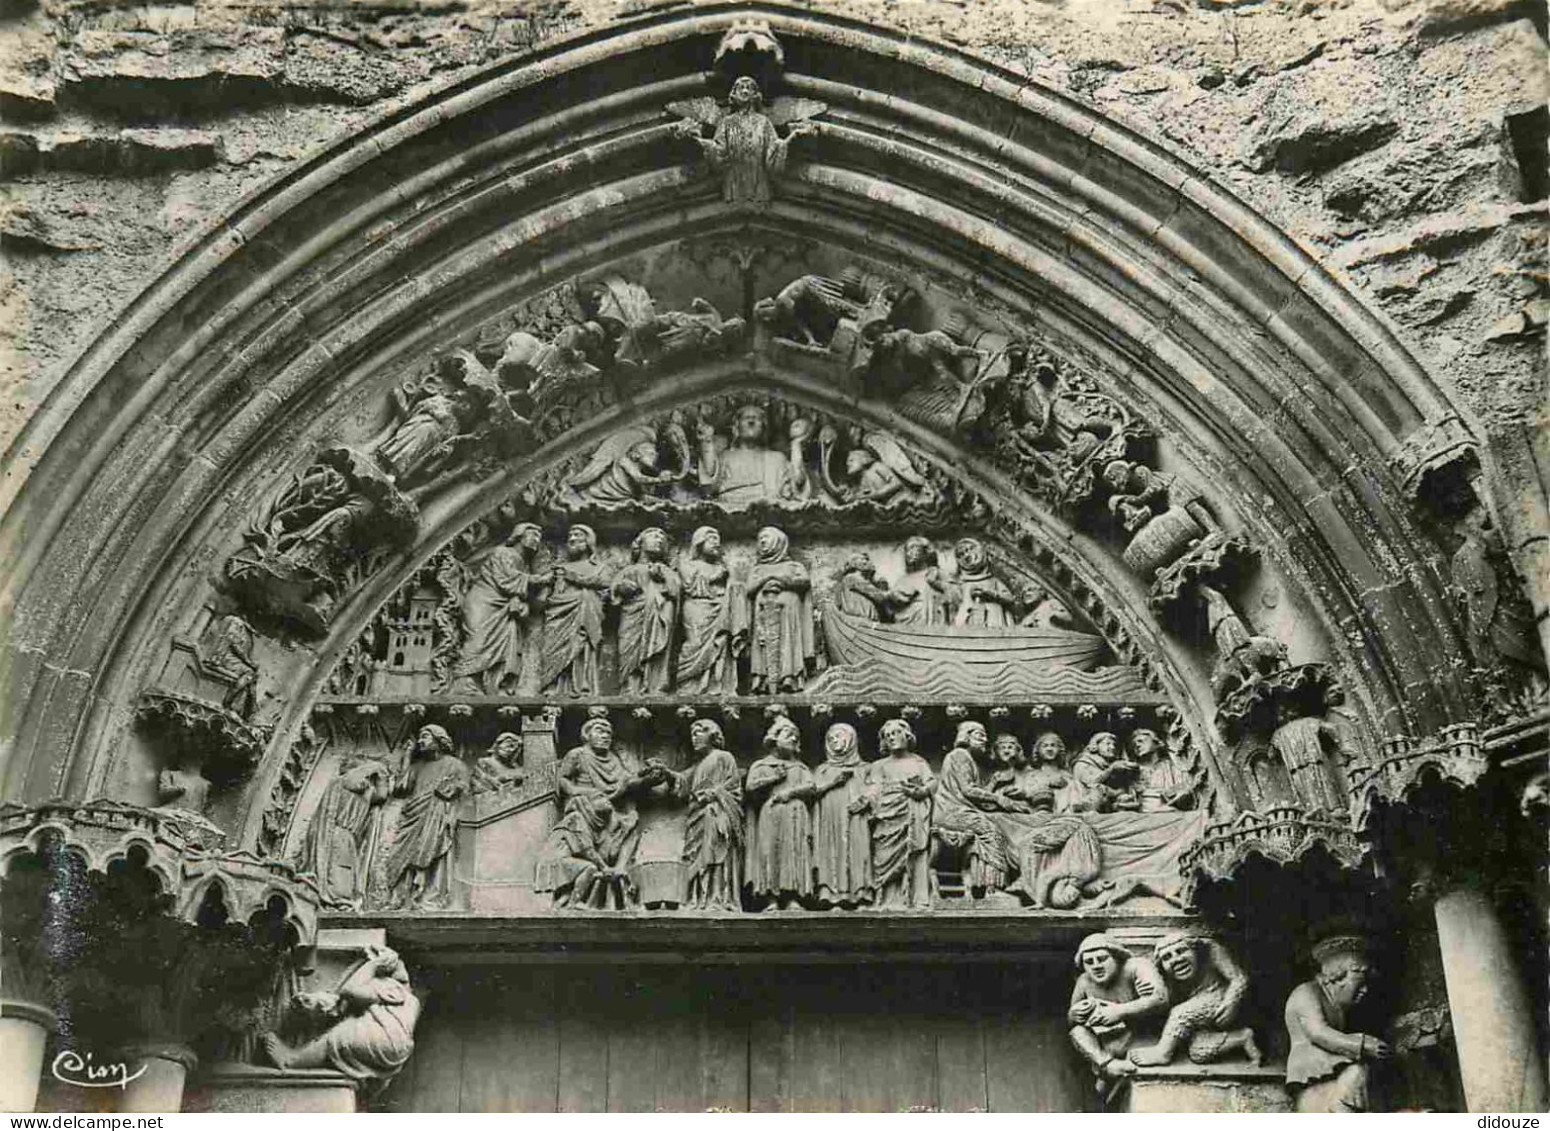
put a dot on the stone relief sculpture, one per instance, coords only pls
(842, 848)
(1102, 779)
(1115, 995)
(337, 847)
(496, 612)
(419, 862)
(573, 598)
(959, 811)
(744, 470)
(1206, 987)
(501, 768)
(586, 859)
(921, 594)
(715, 618)
(745, 145)
(780, 840)
(1305, 746)
(808, 309)
(648, 592)
(897, 804)
(714, 835)
(1160, 783)
(369, 1023)
(980, 599)
(781, 645)
(1327, 1064)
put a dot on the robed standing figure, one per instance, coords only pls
(780, 847)
(842, 842)
(419, 863)
(495, 615)
(781, 638)
(897, 802)
(713, 829)
(648, 591)
(573, 599)
(715, 618)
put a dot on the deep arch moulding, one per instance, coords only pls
(133, 480)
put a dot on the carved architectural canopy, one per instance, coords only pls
(816, 471)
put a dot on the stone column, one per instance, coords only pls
(159, 1088)
(1498, 1052)
(24, 1030)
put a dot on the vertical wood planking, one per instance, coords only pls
(438, 1052)
(632, 1040)
(723, 1033)
(770, 1044)
(511, 1056)
(583, 1063)
(960, 1045)
(817, 1069)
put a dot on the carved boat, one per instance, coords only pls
(943, 661)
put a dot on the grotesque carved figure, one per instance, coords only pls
(1103, 780)
(1241, 657)
(746, 147)
(573, 598)
(810, 306)
(781, 641)
(715, 618)
(1305, 746)
(1327, 1064)
(780, 856)
(1160, 786)
(747, 470)
(370, 1016)
(1115, 993)
(336, 843)
(922, 593)
(1206, 987)
(1164, 519)
(842, 851)
(501, 768)
(713, 830)
(496, 610)
(648, 591)
(897, 802)
(586, 860)
(958, 815)
(227, 653)
(419, 863)
(980, 598)
(921, 374)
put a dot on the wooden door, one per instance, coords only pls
(970, 1037)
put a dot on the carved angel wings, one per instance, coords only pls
(706, 113)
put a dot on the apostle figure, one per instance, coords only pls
(501, 768)
(961, 804)
(648, 591)
(1159, 785)
(715, 618)
(859, 593)
(982, 600)
(573, 597)
(428, 426)
(842, 842)
(1115, 992)
(1206, 988)
(419, 863)
(1303, 745)
(713, 830)
(781, 646)
(897, 803)
(749, 470)
(780, 853)
(372, 1013)
(1058, 855)
(1102, 780)
(336, 844)
(1042, 783)
(586, 860)
(495, 616)
(921, 595)
(1327, 1064)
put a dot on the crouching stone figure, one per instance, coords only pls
(1206, 987)
(1115, 992)
(1327, 1064)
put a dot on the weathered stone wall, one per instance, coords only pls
(1401, 142)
